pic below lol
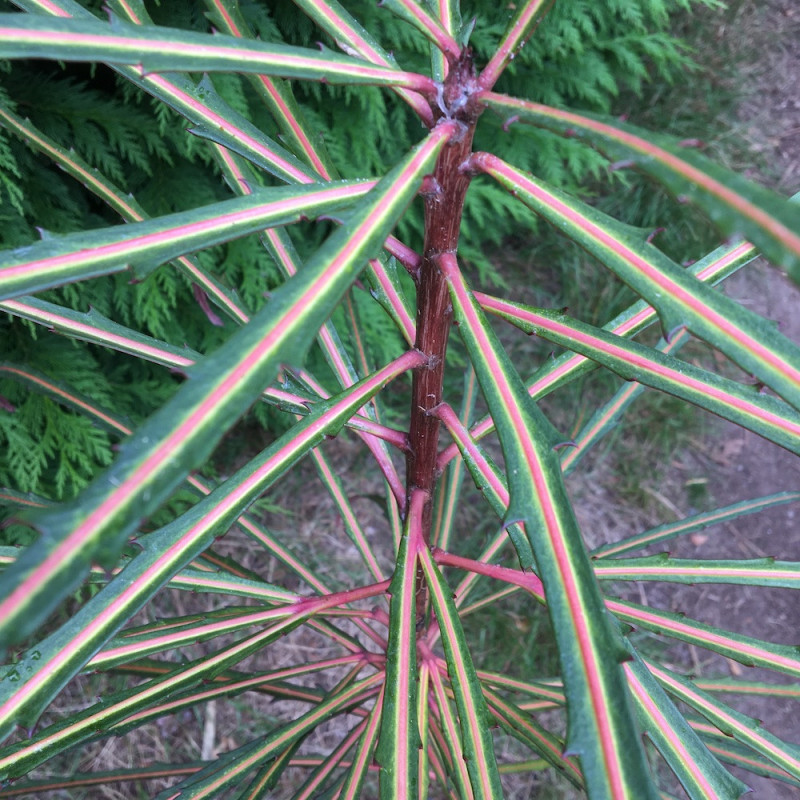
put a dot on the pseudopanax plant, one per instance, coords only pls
(585, 58)
(412, 706)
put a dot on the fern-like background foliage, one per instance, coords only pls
(589, 54)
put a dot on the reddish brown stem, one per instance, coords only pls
(444, 202)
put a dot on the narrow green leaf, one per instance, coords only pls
(143, 246)
(492, 484)
(234, 765)
(726, 398)
(640, 683)
(22, 500)
(425, 722)
(700, 774)
(217, 582)
(744, 649)
(449, 728)
(65, 395)
(352, 526)
(550, 691)
(285, 255)
(283, 252)
(472, 712)
(529, 15)
(735, 724)
(228, 685)
(755, 572)
(448, 12)
(602, 730)
(30, 685)
(386, 289)
(184, 431)
(606, 417)
(215, 121)
(694, 523)
(739, 756)
(729, 750)
(91, 326)
(362, 757)
(204, 108)
(449, 490)
(218, 775)
(18, 759)
(99, 778)
(353, 39)
(276, 94)
(167, 635)
(94, 327)
(735, 205)
(208, 112)
(317, 784)
(526, 729)
(680, 299)
(398, 747)
(488, 600)
(267, 777)
(715, 267)
(738, 686)
(440, 758)
(418, 16)
(73, 164)
(173, 50)
(212, 118)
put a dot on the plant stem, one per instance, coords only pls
(444, 202)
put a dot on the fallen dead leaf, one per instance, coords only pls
(726, 453)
